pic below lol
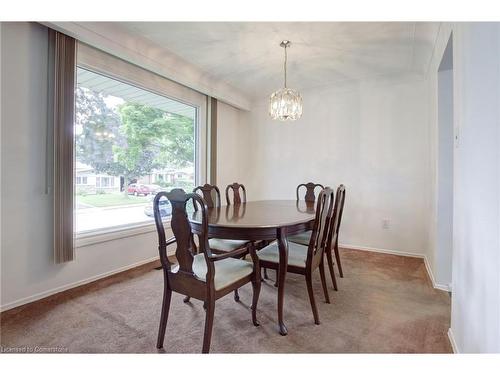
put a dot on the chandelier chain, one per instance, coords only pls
(285, 64)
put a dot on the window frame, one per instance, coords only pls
(117, 69)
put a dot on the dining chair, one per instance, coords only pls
(200, 273)
(309, 198)
(237, 198)
(211, 195)
(339, 209)
(302, 259)
(303, 238)
(310, 195)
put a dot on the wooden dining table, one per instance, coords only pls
(261, 220)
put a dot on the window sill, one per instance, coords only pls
(115, 233)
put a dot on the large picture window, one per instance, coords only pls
(130, 143)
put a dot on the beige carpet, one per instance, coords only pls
(385, 304)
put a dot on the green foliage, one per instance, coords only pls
(100, 131)
(130, 140)
(179, 184)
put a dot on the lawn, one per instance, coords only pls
(111, 199)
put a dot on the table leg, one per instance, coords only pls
(283, 262)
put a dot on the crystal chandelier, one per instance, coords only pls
(285, 104)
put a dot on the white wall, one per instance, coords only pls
(1, 159)
(28, 271)
(475, 314)
(476, 259)
(232, 147)
(372, 137)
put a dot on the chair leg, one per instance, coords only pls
(265, 274)
(255, 300)
(323, 280)
(236, 295)
(311, 298)
(165, 308)
(209, 322)
(186, 299)
(337, 257)
(329, 260)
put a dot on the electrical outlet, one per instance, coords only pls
(385, 223)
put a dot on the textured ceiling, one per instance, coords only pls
(247, 54)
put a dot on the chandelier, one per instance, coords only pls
(285, 104)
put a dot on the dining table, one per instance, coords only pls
(260, 220)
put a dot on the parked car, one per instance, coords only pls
(142, 189)
(165, 207)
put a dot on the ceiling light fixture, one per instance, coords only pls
(285, 104)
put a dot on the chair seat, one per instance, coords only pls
(227, 271)
(301, 238)
(226, 245)
(297, 254)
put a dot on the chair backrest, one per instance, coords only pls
(211, 195)
(310, 187)
(186, 248)
(337, 215)
(237, 198)
(322, 228)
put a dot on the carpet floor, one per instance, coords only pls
(385, 304)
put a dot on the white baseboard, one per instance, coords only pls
(62, 288)
(402, 253)
(384, 251)
(444, 287)
(452, 341)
